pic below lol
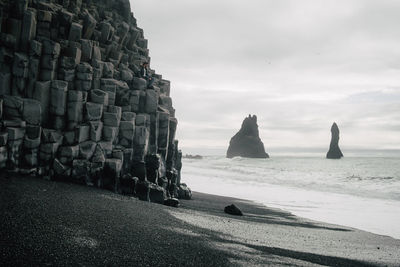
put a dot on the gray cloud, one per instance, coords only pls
(298, 65)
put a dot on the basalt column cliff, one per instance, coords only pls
(72, 104)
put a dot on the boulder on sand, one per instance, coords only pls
(184, 192)
(172, 202)
(233, 210)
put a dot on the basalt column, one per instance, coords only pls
(73, 106)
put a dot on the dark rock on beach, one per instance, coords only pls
(172, 202)
(184, 191)
(334, 150)
(247, 142)
(233, 210)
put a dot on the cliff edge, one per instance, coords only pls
(74, 103)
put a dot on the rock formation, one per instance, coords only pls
(72, 104)
(233, 210)
(247, 143)
(334, 150)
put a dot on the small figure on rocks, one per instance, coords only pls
(145, 74)
(233, 210)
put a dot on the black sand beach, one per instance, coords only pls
(57, 224)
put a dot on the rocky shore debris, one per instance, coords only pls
(247, 142)
(334, 150)
(73, 105)
(233, 210)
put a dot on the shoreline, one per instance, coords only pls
(90, 226)
(305, 217)
(335, 193)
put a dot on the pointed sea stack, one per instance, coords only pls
(247, 143)
(334, 150)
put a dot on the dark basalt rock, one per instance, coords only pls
(247, 143)
(74, 105)
(233, 210)
(142, 190)
(334, 150)
(128, 184)
(172, 202)
(184, 192)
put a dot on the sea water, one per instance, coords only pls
(360, 192)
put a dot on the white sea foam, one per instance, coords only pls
(358, 192)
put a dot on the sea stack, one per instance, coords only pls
(334, 150)
(247, 143)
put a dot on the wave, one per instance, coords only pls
(357, 192)
(366, 177)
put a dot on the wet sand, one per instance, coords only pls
(59, 224)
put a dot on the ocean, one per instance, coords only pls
(359, 192)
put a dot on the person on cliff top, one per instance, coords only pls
(145, 74)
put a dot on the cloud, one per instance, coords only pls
(298, 65)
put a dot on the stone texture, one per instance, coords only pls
(28, 29)
(32, 112)
(75, 32)
(128, 116)
(89, 26)
(99, 97)
(3, 138)
(42, 94)
(58, 97)
(96, 129)
(93, 111)
(5, 81)
(86, 149)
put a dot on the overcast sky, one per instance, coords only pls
(299, 65)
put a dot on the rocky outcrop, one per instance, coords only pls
(247, 143)
(184, 191)
(334, 150)
(72, 104)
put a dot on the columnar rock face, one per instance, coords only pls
(334, 150)
(247, 143)
(72, 104)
